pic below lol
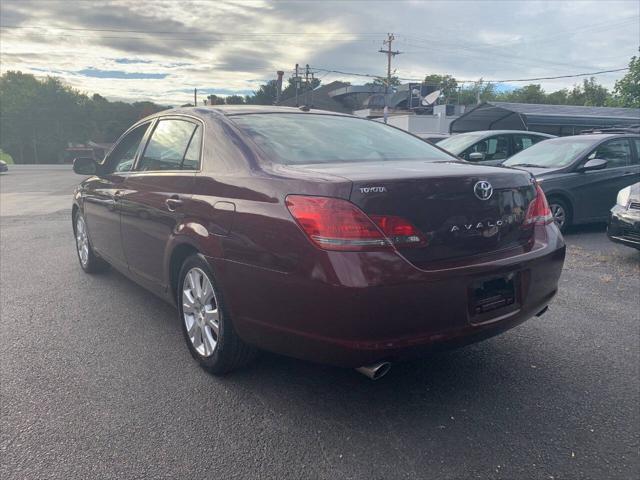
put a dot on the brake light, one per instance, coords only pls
(336, 224)
(538, 212)
(398, 230)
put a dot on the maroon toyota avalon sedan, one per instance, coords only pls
(317, 235)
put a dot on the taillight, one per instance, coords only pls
(399, 231)
(336, 224)
(538, 212)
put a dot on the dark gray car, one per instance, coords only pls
(491, 147)
(581, 175)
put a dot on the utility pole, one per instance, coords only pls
(306, 82)
(389, 53)
(296, 80)
(195, 97)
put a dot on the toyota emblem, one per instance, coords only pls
(483, 190)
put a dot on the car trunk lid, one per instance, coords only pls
(444, 201)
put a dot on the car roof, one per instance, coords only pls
(228, 110)
(498, 132)
(600, 136)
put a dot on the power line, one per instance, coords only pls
(586, 74)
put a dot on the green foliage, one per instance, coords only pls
(485, 92)
(6, 158)
(382, 82)
(267, 93)
(446, 83)
(590, 94)
(234, 100)
(40, 117)
(215, 100)
(627, 90)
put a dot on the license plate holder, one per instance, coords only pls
(490, 296)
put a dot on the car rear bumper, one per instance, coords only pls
(624, 226)
(357, 308)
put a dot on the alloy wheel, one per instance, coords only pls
(200, 312)
(559, 215)
(82, 240)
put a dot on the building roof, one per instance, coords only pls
(495, 115)
(319, 98)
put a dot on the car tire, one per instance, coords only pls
(561, 213)
(206, 322)
(89, 261)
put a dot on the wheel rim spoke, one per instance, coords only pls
(212, 319)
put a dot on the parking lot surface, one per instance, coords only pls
(96, 380)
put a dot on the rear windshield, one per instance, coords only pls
(292, 138)
(553, 153)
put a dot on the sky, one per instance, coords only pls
(161, 50)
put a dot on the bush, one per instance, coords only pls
(6, 158)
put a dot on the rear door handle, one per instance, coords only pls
(173, 203)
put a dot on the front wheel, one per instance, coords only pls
(206, 323)
(561, 213)
(89, 261)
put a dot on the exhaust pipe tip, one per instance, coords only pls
(375, 371)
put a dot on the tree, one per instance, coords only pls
(382, 82)
(215, 100)
(627, 90)
(265, 95)
(559, 97)
(481, 90)
(589, 93)
(40, 117)
(446, 83)
(234, 100)
(528, 94)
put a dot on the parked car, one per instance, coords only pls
(491, 146)
(3, 166)
(433, 137)
(317, 235)
(582, 174)
(624, 219)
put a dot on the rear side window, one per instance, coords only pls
(616, 152)
(523, 141)
(174, 145)
(637, 142)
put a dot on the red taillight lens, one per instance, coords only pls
(399, 231)
(538, 212)
(336, 224)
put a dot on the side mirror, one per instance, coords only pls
(593, 164)
(476, 157)
(84, 166)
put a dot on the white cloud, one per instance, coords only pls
(236, 45)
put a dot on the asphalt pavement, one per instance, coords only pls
(96, 381)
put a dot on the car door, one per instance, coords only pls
(595, 191)
(156, 194)
(101, 195)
